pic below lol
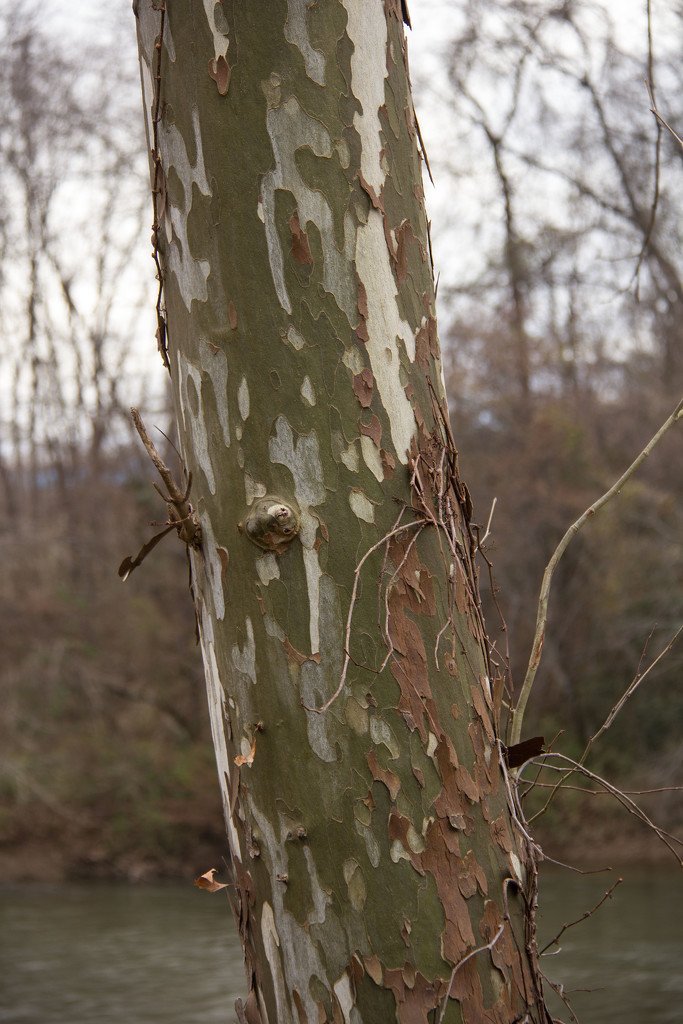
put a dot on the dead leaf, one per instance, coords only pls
(249, 758)
(518, 753)
(128, 564)
(206, 881)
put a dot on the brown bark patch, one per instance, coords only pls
(388, 463)
(363, 386)
(300, 1009)
(467, 990)
(482, 711)
(466, 784)
(301, 250)
(376, 200)
(404, 237)
(471, 876)
(427, 344)
(232, 315)
(500, 834)
(374, 968)
(390, 780)
(292, 652)
(415, 996)
(411, 672)
(504, 953)
(450, 802)
(372, 429)
(441, 857)
(410, 122)
(219, 70)
(398, 829)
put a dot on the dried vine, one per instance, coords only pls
(158, 189)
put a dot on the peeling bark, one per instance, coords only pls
(379, 869)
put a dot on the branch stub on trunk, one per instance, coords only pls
(272, 523)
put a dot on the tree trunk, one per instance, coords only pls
(379, 868)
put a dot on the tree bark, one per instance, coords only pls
(380, 871)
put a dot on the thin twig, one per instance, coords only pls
(479, 949)
(347, 656)
(668, 127)
(542, 614)
(650, 83)
(628, 693)
(669, 840)
(158, 190)
(562, 783)
(584, 917)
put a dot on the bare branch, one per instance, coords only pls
(584, 917)
(542, 613)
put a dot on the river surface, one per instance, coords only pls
(166, 954)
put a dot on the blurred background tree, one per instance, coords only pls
(558, 229)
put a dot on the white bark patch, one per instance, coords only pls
(243, 398)
(280, 929)
(147, 99)
(295, 339)
(385, 328)
(307, 392)
(343, 152)
(221, 41)
(367, 30)
(268, 568)
(273, 628)
(372, 457)
(350, 458)
(355, 884)
(517, 868)
(313, 573)
(415, 840)
(271, 942)
(371, 845)
(216, 365)
(398, 852)
(380, 732)
(361, 506)
(213, 567)
(321, 899)
(315, 680)
(342, 989)
(356, 716)
(353, 359)
(192, 274)
(216, 700)
(244, 659)
(253, 488)
(193, 420)
(296, 32)
(302, 459)
(290, 128)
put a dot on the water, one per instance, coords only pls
(164, 954)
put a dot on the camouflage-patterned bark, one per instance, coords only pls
(373, 846)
